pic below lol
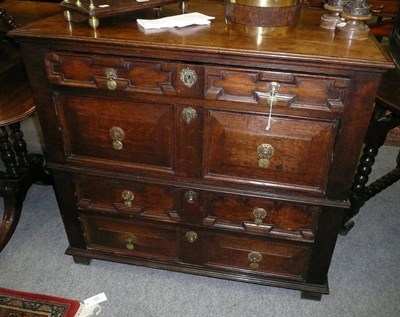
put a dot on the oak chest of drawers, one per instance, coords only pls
(203, 150)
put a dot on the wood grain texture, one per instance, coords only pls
(198, 183)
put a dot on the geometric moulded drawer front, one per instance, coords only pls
(263, 216)
(129, 238)
(115, 196)
(117, 73)
(117, 133)
(292, 153)
(109, 72)
(257, 256)
(296, 93)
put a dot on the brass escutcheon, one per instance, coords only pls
(259, 214)
(189, 115)
(128, 197)
(191, 236)
(254, 258)
(111, 75)
(190, 196)
(188, 77)
(130, 242)
(265, 151)
(117, 135)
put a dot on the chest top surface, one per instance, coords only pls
(307, 42)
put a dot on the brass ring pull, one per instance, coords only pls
(188, 77)
(265, 151)
(128, 197)
(130, 242)
(254, 258)
(189, 115)
(117, 135)
(111, 75)
(190, 196)
(191, 236)
(259, 214)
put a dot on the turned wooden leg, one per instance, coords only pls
(380, 125)
(15, 182)
(8, 155)
(12, 211)
(19, 145)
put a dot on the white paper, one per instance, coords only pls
(181, 20)
(94, 300)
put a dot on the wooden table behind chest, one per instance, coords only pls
(164, 154)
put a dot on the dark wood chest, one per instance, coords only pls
(203, 150)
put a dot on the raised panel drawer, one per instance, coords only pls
(116, 73)
(295, 93)
(293, 153)
(129, 238)
(109, 195)
(116, 133)
(257, 256)
(263, 216)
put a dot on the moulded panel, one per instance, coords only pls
(115, 196)
(116, 132)
(299, 151)
(105, 72)
(257, 256)
(295, 93)
(130, 238)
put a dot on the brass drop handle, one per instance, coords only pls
(117, 135)
(254, 258)
(259, 214)
(111, 75)
(265, 151)
(189, 115)
(191, 236)
(127, 197)
(188, 77)
(130, 242)
(272, 99)
(190, 196)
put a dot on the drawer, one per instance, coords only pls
(263, 216)
(293, 93)
(116, 133)
(114, 73)
(240, 213)
(130, 238)
(106, 195)
(293, 153)
(257, 256)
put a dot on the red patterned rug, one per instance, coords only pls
(21, 304)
